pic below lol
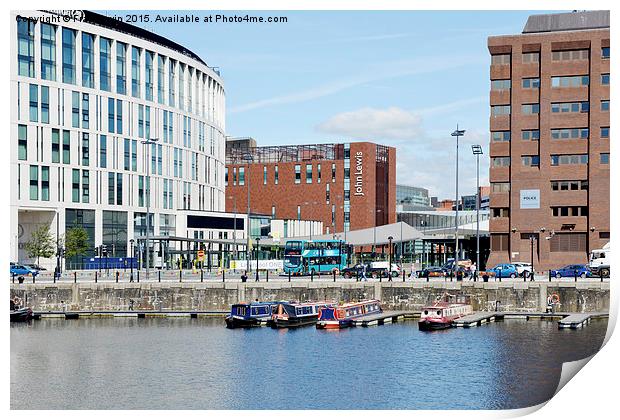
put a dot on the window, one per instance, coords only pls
(68, 56)
(605, 105)
(85, 149)
(225, 176)
(121, 75)
(140, 191)
(562, 107)
(569, 211)
(45, 183)
(103, 158)
(75, 185)
(530, 160)
(85, 110)
(533, 135)
(25, 47)
(181, 85)
(34, 182)
(532, 57)
(148, 76)
(570, 81)
(333, 172)
(531, 83)
(498, 162)
(500, 110)
(171, 71)
(569, 185)
(327, 196)
(34, 103)
(134, 155)
(569, 55)
(85, 186)
(110, 115)
(499, 242)
(604, 132)
(605, 79)
(500, 135)
(242, 176)
(160, 78)
(275, 175)
(273, 212)
(66, 146)
(298, 212)
(297, 174)
(45, 104)
(500, 187)
(568, 242)
(557, 160)
(264, 175)
(22, 142)
(135, 72)
(147, 122)
(75, 109)
(530, 108)
(570, 133)
(499, 59)
(48, 52)
(119, 189)
(119, 116)
(318, 173)
(500, 212)
(503, 84)
(309, 174)
(55, 145)
(88, 60)
(105, 63)
(605, 158)
(605, 52)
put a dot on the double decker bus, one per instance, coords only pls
(305, 257)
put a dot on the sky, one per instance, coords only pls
(403, 79)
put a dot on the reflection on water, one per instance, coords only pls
(184, 363)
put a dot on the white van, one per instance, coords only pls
(384, 265)
(599, 261)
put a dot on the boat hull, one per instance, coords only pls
(428, 325)
(293, 322)
(236, 322)
(21, 315)
(334, 325)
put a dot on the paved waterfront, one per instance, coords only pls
(199, 364)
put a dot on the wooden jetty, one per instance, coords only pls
(575, 321)
(386, 317)
(126, 314)
(475, 319)
(566, 319)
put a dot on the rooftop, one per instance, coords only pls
(574, 21)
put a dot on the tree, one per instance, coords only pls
(41, 244)
(76, 242)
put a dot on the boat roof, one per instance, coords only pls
(363, 302)
(443, 305)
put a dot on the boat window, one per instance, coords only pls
(425, 312)
(438, 312)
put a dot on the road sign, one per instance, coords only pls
(201, 255)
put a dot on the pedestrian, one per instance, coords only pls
(244, 277)
(472, 270)
(364, 274)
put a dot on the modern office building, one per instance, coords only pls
(549, 144)
(86, 92)
(347, 186)
(413, 196)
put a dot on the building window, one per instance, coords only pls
(160, 78)
(119, 116)
(530, 160)
(569, 55)
(275, 175)
(570, 133)
(55, 145)
(135, 72)
(181, 85)
(48, 52)
(333, 172)
(497, 110)
(500, 187)
(569, 185)
(605, 52)
(148, 76)
(605, 132)
(605, 158)
(119, 189)
(226, 176)
(605, 105)
(500, 59)
(105, 63)
(88, 60)
(273, 212)
(562, 107)
(121, 74)
(605, 79)
(557, 160)
(25, 47)
(503, 84)
(45, 104)
(66, 146)
(298, 212)
(532, 57)
(499, 162)
(75, 109)
(570, 81)
(500, 212)
(327, 197)
(309, 174)
(500, 136)
(264, 175)
(140, 191)
(499, 242)
(34, 103)
(103, 158)
(134, 155)
(532, 135)
(297, 174)
(85, 149)
(242, 175)
(68, 56)
(22, 142)
(569, 211)
(45, 183)
(318, 173)
(85, 111)
(75, 185)
(530, 108)
(110, 115)
(171, 71)
(531, 83)
(85, 186)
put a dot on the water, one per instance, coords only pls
(167, 363)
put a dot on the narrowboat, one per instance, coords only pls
(443, 312)
(253, 314)
(342, 316)
(295, 314)
(21, 315)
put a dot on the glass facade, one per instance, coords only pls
(48, 52)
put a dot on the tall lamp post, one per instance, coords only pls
(477, 150)
(390, 258)
(457, 133)
(132, 259)
(148, 143)
(257, 251)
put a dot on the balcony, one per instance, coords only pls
(499, 97)
(500, 71)
(499, 224)
(499, 199)
(499, 122)
(569, 94)
(568, 198)
(499, 174)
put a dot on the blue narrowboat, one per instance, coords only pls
(342, 316)
(253, 314)
(294, 314)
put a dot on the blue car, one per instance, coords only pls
(23, 270)
(505, 270)
(579, 270)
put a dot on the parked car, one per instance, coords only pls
(23, 270)
(505, 271)
(383, 265)
(37, 267)
(432, 271)
(523, 267)
(572, 270)
(358, 269)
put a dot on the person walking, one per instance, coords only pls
(244, 277)
(473, 271)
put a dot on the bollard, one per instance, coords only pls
(138, 278)
(451, 272)
(600, 273)
(499, 273)
(427, 277)
(266, 275)
(180, 276)
(575, 276)
(223, 275)
(312, 275)
(159, 276)
(201, 275)
(357, 276)
(95, 277)
(334, 275)
(117, 276)
(13, 275)
(54, 277)
(74, 277)
(289, 276)
(549, 273)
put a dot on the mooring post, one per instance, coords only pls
(267, 275)
(180, 276)
(159, 276)
(223, 276)
(201, 275)
(600, 273)
(312, 275)
(13, 275)
(138, 277)
(117, 276)
(74, 277)
(334, 275)
(95, 277)
(427, 276)
(575, 276)
(289, 276)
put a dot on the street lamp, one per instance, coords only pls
(132, 259)
(257, 251)
(390, 259)
(148, 142)
(457, 133)
(477, 150)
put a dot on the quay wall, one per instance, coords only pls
(588, 296)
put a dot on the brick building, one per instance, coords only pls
(346, 186)
(549, 143)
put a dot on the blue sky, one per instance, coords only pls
(398, 78)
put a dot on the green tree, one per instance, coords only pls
(41, 243)
(76, 242)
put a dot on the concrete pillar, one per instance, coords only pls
(241, 292)
(378, 290)
(542, 297)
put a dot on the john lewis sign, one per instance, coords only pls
(530, 199)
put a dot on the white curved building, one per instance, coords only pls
(85, 95)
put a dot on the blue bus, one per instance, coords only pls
(304, 257)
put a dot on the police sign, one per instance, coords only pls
(530, 199)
